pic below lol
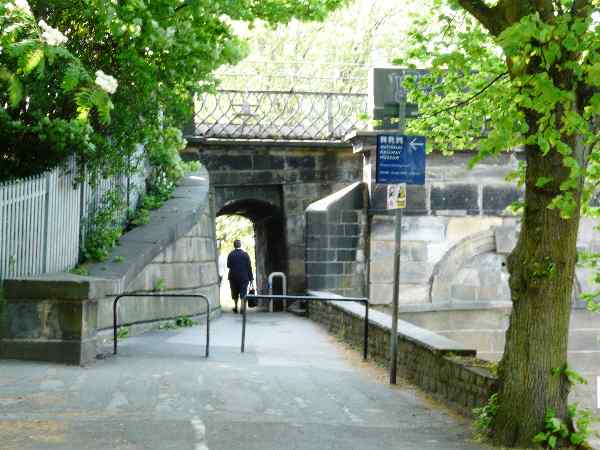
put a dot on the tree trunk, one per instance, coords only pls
(541, 271)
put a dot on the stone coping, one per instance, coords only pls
(420, 336)
(454, 306)
(268, 142)
(338, 199)
(137, 249)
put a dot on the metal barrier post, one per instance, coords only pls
(283, 288)
(366, 336)
(184, 296)
(243, 323)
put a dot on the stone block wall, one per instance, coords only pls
(451, 188)
(51, 318)
(446, 369)
(335, 239)
(287, 176)
(426, 243)
(186, 266)
(454, 259)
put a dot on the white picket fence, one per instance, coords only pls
(44, 219)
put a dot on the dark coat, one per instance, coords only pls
(240, 269)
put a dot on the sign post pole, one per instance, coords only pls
(396, 293)
(400, 161)
(397, 251)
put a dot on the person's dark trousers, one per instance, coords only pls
(239, 289)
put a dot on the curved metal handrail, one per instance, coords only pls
(182, 296)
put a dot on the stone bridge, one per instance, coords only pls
(272, 184)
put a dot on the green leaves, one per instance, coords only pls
(15, 91)
(74, 74)
(95, 98)
(543, 181)
(554, 429)
(593, 74)
(33, 60)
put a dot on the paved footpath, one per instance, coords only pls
(294, 389)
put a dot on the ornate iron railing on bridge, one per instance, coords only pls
(277, 115)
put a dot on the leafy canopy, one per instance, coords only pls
(480, 87)
(154, 56)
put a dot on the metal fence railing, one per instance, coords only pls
(277, 115)
(44, 219)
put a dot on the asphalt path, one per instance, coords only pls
(295, 388)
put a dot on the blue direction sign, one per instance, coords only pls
(400, 159)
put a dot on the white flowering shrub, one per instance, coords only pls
(106, 82)
(50, 105)
(51, 36)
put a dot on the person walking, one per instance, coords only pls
(240, 273)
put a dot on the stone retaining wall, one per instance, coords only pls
(446, 369)
(57, 317)
(335, 239)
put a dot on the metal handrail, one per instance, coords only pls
(181, 296)
(308, 298)
(284, 287)
(325, 94)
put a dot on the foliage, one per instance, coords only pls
(160, 284)
(80, 270)
(105, 228)
(122, 332)
(179, 322)
(485, 415)
(140, 217)
(478, 93)
(118, 259)
(184, 321)
(521, 74)
(554, 431)
(300, 55)
(573, 376)
(232, 227)
(557, 431)
(105, 76)
(50, 103)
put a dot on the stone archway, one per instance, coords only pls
(473, 250)
(447, 267)
(269, 232)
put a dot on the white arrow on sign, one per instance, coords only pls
(414, 145)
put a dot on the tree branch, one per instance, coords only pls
(581, 8)
(472, 97)
(488, 16)
(546, 9)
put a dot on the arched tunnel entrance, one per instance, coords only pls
(269, 234)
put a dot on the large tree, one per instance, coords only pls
(525, 72)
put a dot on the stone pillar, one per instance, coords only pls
(52, 320)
